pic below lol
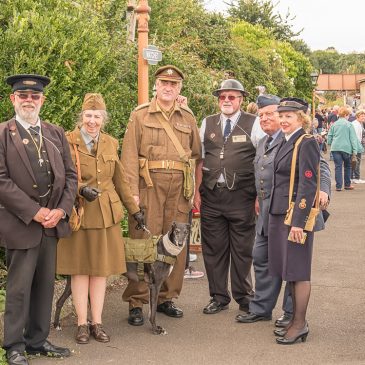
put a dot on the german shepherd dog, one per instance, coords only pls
(169, 245)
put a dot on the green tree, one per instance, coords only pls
(262, 12)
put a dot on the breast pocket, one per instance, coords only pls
(109, 164)
(153, 135)
(183, 133)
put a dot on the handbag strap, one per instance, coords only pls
(179, 148)
(293, 168)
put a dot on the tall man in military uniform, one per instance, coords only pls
(38, 185)
(155, 171)
(226, 198)
(267, 288)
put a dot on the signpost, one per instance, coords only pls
(152, 55)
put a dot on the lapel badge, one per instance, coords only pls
(302, 204)
(212, 135)
(13, 133)
(308, 174)
(25, 140)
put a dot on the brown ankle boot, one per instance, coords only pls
(98, 332)
(83, 334)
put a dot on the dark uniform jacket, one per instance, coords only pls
(305, 184)
(264, 171)
(19, 196)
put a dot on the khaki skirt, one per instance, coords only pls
(94, 252)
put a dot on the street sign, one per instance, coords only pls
(152, 55)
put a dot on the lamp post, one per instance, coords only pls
(143, 11)
(314, 77)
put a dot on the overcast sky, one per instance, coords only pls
(326, 23)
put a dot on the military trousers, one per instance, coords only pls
(29, 294)
(228, 233)
(163, 204)
(267, 288)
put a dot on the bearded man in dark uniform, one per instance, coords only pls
(38, 185)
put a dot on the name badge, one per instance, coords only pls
(239, 138)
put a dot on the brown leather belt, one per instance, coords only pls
(166, 165)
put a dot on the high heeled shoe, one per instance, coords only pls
(302, 335)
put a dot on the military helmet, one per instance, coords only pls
(230, 84)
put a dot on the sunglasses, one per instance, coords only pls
(229, 97)
(25, 96)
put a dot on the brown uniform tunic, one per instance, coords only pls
(97, 248)
(164, 202)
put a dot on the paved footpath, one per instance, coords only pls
(336, 313)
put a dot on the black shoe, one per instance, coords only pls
(16, 357)
(136, 316)
(214, 307)
(170, 309)
(244, 308)
(284, 320)
(280, 332)
(47, 349)
(302, 335)
(251, 318)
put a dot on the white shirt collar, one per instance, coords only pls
(287, 136)
(25, 124)
(233, 118)
(87, 138)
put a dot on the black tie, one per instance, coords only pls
(227, 129)
(34, 129)
(267, 143)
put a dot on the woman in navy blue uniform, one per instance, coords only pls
(290, 259)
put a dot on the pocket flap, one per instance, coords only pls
(113, 197)
(183, 128)
(110, 158)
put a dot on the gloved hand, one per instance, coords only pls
(139, 217)
(90, 194)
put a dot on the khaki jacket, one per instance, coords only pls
(105, 172)
(146, 138)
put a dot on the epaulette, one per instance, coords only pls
(139, 107)
(186, 108)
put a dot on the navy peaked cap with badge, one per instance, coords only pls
(292, 105)
(266, 100)
(28, 82)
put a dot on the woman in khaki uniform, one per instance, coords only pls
(96, 250)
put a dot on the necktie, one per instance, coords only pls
(94, 147)
(267, 143)
(227, 129)
(34, 129)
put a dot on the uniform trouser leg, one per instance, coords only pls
(29, 293)
(242, 237)
(163, 204)
(287, 299)
(215, 249)
(267, 288)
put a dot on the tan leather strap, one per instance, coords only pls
(77, 163)
(166, 164)
(293, 168)
(179, 148)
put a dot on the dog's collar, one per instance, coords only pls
(169, 246)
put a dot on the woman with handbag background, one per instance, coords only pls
(290, 246)
(95, 250)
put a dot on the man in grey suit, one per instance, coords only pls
(267, 288)
(38, 184)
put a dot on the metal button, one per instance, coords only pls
(262, 168)
(35, 186)
(99, 182)
(99, 170)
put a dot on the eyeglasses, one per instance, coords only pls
(25, 96)
(229, 97)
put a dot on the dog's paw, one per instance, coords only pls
(159, 331)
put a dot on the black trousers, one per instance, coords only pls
(228, 234)
(29, 294)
